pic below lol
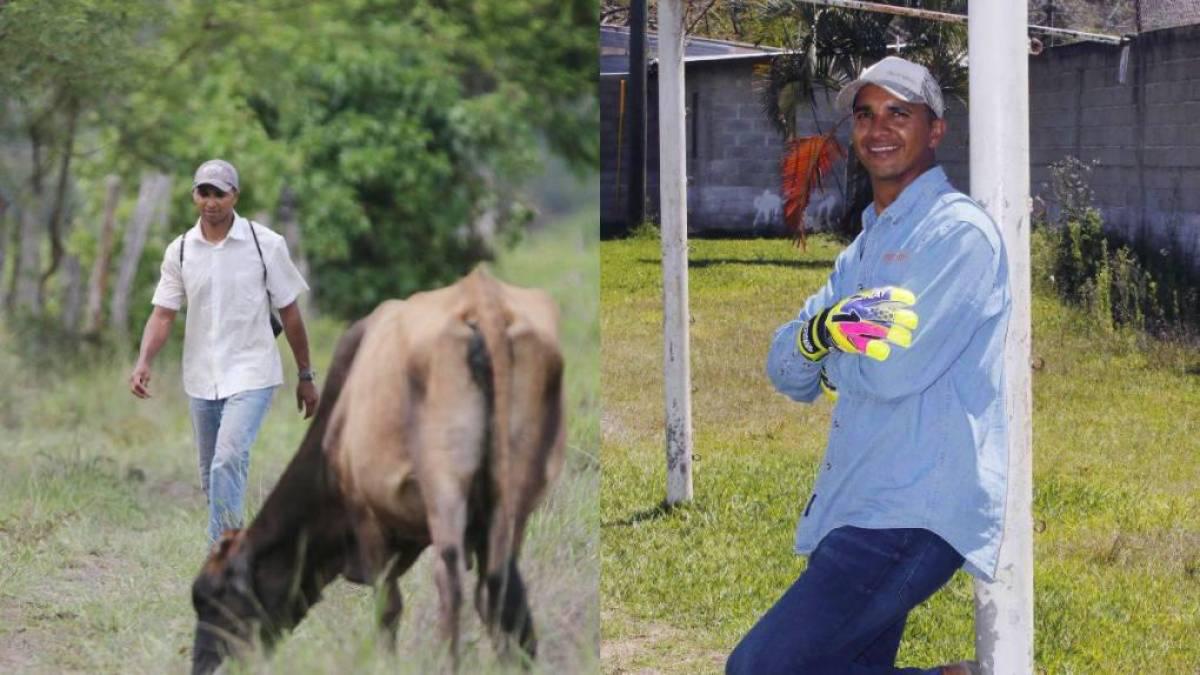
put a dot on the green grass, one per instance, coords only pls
(102, 520)
(1117, 478)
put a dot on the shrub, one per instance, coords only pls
(647, 230)
(1120, 284)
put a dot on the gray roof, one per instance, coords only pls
(614, 49)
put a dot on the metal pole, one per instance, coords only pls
(620, 136)
(637, 113)
(673, 194)
(999, 133)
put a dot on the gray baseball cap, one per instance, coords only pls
(908, 81)
(217, 173)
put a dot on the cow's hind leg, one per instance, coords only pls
(504, 607)
(452, 416)
(389, 602)
(449, 567)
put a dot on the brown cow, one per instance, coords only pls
(441, 423)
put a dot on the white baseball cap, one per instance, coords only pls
(908, 81)
(217, 173)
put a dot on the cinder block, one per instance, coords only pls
(1107, 136)
(1167, 92)
(1173, 156)
(1165, 114)
(1107, 96)
(723, 111)
(1098, 78)
(1189, 200)
(1168, 134)
(1123, 115)
(1179, 68)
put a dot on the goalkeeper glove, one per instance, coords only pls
(863, 323)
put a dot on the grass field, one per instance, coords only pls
(1117, 478)
(102, 520)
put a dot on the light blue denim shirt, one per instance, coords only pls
(918, 440)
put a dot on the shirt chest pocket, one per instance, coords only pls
(887, 267)
(247, 287)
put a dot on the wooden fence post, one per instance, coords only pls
(153, 197)
(98, 282)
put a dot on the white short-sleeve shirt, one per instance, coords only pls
(228, 346)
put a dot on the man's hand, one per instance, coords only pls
(863, 323)
(306, 398)
(139, 381)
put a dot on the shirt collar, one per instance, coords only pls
(927, 186)
(240, 229)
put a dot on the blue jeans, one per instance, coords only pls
(225, 428)
(846, 613)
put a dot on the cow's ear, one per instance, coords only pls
(218, 556)
(240, 570)
(223, 546)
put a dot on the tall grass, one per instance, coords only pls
(1116, 477)
(102, 520)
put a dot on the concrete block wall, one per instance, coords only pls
(614, 142)
(733, 154)
(1143, 132)
(614, 172)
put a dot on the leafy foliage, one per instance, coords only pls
(805, 166)
(404, 129)
(1139, 285)
(828, 48)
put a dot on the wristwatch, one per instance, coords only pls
(307, 375)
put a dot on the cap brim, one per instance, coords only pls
(219, 184)
(844, 102)
(845, 98)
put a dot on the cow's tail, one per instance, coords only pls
(492, 320)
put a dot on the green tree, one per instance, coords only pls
(399, 126)
(62, 62)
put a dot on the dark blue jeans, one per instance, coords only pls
(846, 613)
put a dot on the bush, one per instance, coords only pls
(647, 230)
(1118, 283)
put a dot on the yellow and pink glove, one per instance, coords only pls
(828, 387)
(866, 323)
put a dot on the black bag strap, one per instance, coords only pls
(260, 257)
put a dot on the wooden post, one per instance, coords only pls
(289, 227)
(999, 80)
(153, 195)
(673, 195)
(29, 259)
(3, 243)
(98, 282)
(71, 289)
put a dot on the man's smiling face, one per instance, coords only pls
(894, 139)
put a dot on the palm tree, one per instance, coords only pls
(830, 48)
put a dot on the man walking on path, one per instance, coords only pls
(228, 269)
(908, 336)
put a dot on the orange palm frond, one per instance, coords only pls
(805, 165)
